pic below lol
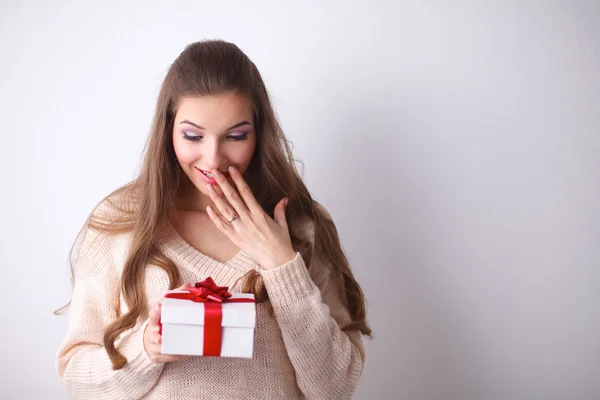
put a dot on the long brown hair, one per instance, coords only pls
(213, 67)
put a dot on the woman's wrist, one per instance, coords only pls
(280, 259)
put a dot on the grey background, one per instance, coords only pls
(455, 144)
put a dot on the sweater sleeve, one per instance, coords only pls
(328, 361)
(82, 362)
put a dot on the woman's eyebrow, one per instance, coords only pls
(185, 121)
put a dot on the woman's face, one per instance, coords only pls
(213, 132)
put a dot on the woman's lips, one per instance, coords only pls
(206, 178)
(212, 181)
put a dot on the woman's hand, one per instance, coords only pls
(265, 240)
(153, 338)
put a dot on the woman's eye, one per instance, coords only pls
(239, 137)
(191, 137)
(195, 138)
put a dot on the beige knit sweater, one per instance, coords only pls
(301, 352)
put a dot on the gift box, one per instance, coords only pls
(207, 320)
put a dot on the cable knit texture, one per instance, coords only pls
(300, 352)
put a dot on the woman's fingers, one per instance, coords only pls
(247, 201)
(151, 331)
(153, 338)
(228, 207)
(231, 201)
(154, 344)
(154, 315)
(218, 189)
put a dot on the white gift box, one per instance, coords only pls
(183, 326)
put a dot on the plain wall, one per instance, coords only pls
(455, 144)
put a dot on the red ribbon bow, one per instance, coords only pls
(207, 290)
(212, 295)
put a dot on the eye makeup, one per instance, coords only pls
(235, 138)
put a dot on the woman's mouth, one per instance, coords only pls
(208, 177)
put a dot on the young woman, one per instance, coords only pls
(218, 196)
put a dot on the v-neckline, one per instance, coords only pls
(240, 261)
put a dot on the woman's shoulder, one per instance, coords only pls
(105, 236)
(117, 205)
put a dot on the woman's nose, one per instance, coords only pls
(213, 156)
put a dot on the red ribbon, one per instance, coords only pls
(212, 295)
